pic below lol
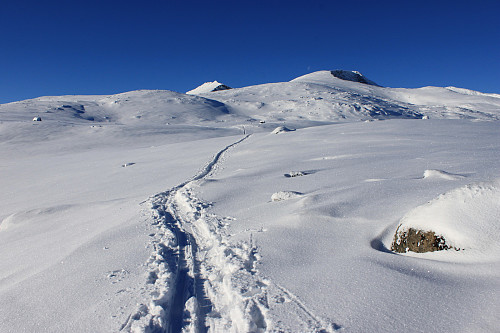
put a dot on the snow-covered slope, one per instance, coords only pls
(131, 108)
(208, 87)
(131, 116)
(322, 97)
(154, 211)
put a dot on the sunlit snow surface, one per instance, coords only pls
(157, 210)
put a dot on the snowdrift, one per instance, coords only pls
(466, 219)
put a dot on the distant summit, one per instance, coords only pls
(353, 76)
(330, 77)
(208, 87)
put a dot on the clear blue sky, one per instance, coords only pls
(103, 47)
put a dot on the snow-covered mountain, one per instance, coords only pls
(353, 76)
(279, 207)
(208, 87)
(321, 96)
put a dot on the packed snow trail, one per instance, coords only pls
(188, 247)
(199, 280)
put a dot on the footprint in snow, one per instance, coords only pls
(117, 275)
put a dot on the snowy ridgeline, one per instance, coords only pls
(316, 98)
(234, 211)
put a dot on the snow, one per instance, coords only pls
(155, 211)
(208, 87)
(281, 129)
(285, 195)
(468, 219)
(441, 174)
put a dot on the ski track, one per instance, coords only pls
(198, 280)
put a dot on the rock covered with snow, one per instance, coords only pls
(208, 87)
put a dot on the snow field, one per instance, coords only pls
(327, 248)
(208, 282)
(73, 239)
(149, 211)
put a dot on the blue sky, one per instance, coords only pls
(104, 47)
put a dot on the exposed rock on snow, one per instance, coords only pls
(353, 76)
(464, 218)
(418, 241)
(292, 174)
(208, 87)
(285, 195)
(37, 118)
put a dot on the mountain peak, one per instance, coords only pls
(354, 76)
(328, 77)
(208, 87)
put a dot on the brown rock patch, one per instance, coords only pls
(418, 241)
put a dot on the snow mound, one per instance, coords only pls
(282, 129)
(353, 76)
(466, 219)
(292, 174)
(440, 174)
(208, 87)
(285, 195)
